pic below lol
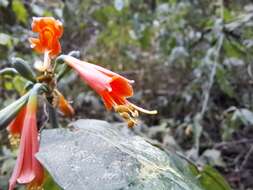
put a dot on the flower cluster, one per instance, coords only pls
(20, 116)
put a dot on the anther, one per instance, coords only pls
(125, 115)
(135, 114)
(131, 122)
(121, 108)
(14, 140)
(35, 188)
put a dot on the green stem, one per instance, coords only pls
(53, 117)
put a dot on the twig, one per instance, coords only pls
(214, 68)
(47, 118)
(216, 53)
(212, 75)
(232, 143)
(247, 158)
(53, 118)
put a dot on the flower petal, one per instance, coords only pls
(121, 87)
(36, 44)
(27, 174)
(107, 72)
(15, 127)
(95, 79)
(50, 30)
(56, 49)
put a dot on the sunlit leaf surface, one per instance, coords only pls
(95, 155)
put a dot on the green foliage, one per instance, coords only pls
(224, 82)
(20, 11)
(169, 48)
(24, 69)
(19, 84)
(50, 184)
(210, 179)
(5, 40)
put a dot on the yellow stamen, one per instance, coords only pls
(150, 112)
(130, 123)
(129, 112)
(14, 140)
(124, 115)
(121, 108)
(30, 187)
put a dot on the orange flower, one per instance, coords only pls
(50, 31)
(15, 127)
(27, 169)
(63, 104)
(112, 87)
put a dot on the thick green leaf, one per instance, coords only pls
(9, 112)
(24, 69)
(19, 83)
(96, 155)
(8, 71)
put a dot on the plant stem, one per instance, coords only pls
(53, 117)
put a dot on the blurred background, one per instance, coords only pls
(190, 59)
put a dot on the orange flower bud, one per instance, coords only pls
(63, 104)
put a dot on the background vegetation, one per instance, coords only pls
(191, 60)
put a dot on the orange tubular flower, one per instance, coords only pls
(27, 169)
(63, 104)
(112, 87)
(50, 31)
(15, 127)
